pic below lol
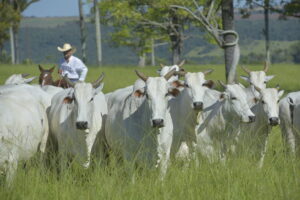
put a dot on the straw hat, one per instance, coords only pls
(66, 47)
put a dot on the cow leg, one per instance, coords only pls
(164, 140)
(11, 168)
(288, 136)
(205, 145)
(45, 137)
(90, 139)
(263, 149)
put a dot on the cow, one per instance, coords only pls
(17, 79)
(266, 110)
(220, 120)
(23, 125)
(139, 128)
(185, 109)
(76, 117)
(289, 112)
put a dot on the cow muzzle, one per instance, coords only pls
(158, 123)
(273, 121)
(251, 118)
(198, 106)
(82, 125)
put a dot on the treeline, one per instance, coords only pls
(38, 44)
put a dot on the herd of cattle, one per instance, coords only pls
(149, 122)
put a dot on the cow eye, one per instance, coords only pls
(263, 102)
(186, 85)
(233, 98)
(92, 99)
(147, 96)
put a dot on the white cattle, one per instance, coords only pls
(266, 111)
(289, 112)
(17, 79)
(185, 109)
(220, 120)
(139, 126)
(51, 90)
(23, 125)
(76, 118)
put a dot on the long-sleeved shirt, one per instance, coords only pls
(74, 69)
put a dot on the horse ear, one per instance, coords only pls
(41, 68)
(52, 69)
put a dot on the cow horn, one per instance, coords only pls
(161, 65)
(245, 69)
(181, 63)
(141, 75)
(208, 71)
(266, 66)
(98, 81)
(222, 84)
(25, 75)
(70, 83)
(180, 73)
(169, 74)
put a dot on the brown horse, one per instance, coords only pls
(46, 78)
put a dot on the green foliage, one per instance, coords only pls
(8, 17)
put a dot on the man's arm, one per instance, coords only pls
(83, 70)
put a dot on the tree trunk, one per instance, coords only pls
(82, 31)
(228, 24)
(266, 31)
(12, 45)
(142, 60)
(175, 37)
(17, 52)
(152, 52)
(98, 33)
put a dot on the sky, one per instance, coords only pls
(52, 8)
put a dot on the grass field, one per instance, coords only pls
(238, 179)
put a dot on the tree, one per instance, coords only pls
(98, 32)
(8, 17)
(157, 17)
(19, 6)
(206, 13)
(82, 31)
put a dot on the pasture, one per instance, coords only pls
(239, 178)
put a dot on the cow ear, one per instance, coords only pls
(223, 96)
(291, 101)
(174, 92)
(269, 78)
(255, 100)
(98, 89)
(209, 84)
(138, 93)
(246, 78)
(68, 100)
(178, 84)
(280, 93)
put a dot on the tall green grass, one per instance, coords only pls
(239, 178)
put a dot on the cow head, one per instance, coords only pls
(269, 98)
(158, 91)
(236, 101)
(257, 78)
(165, 69)
(17, 79)
(82, 97)
(196, 86)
